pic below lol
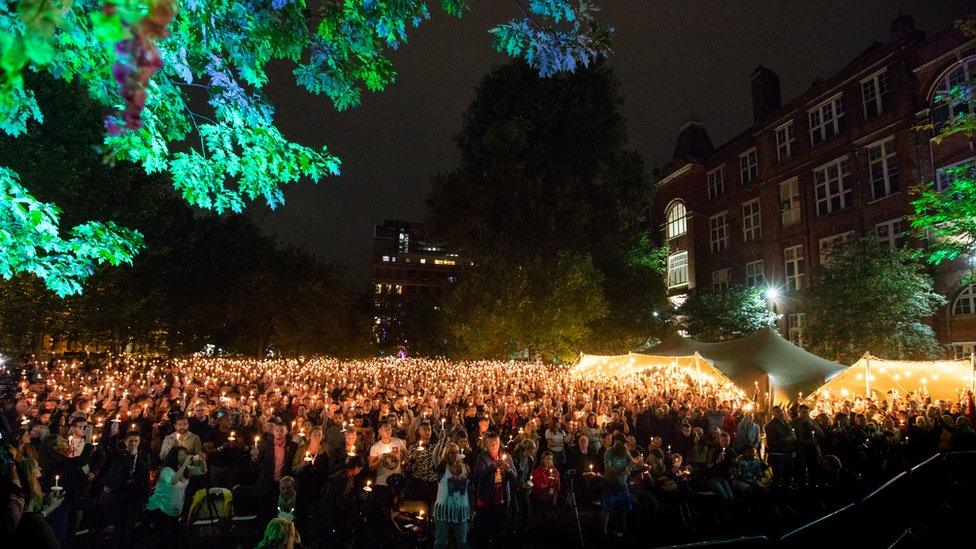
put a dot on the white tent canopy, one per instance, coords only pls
(694, 366)
(939, 379)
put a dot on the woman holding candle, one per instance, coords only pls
(545, 487)
(311, 469)
(452, 506)
(166, 502)
(34, 529)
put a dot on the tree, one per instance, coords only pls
(870, 297)
(204, 279)
(147, 60)
(545, 173)
(541, 306)
(947, 218)
(722, 315)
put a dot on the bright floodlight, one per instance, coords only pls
(772, 293)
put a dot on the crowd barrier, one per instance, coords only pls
(914, 508)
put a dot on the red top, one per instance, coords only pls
(545, 483)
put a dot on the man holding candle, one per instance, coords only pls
(181, 437)
(127, 486)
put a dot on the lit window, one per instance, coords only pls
(751, 221)
(794, 323)
(874, 91)
(784, 141)
(833, 187)
(720, 279)
(749, 166)
(883, 168)
(719, 232)
(794, 266)
(789, 202)
(379, 288)
(826, 120)
(386, 258)
(678, 269)
(422, 260)
(944, 105)
(962, 350)
(947, 175)
(452, 279)
(754, 273)
(716, 183)
(893, 232)
(677, 220)
(965, 302)
(827, 243)
(443, 262)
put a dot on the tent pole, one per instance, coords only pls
(867, 375)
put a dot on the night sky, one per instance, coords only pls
(675, 59)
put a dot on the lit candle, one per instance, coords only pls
(57, 479)
(232, 438)
(257, 439)
(368, 487)
(308, 457)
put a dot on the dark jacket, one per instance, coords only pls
(266, 463)
(483, 477)
(125, 480)
(779, 437)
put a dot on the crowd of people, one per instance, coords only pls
(408, 452)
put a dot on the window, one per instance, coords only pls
(794, 267)
(893, 232)
(833, 187)
(947, 175)
(677, 222)
(944, 105)
(754, 273)
(677, 269)
(789, 202)
(749, 166)
(784, 141)
(874, 91)
(720, 279)
(883, 167)
(965, 303)
(794, 323)
(716, 183)
(718, 227)
(826, 120)
(379, 288)
(751, 221)
(830, 241)
(962, 350)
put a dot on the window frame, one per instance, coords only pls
(795, 323)
(879, 81)
(672, 259)
(755, 221)
(761, 274)
(942, 181)
(677, 223)
(792, 185)
(798, 261)
(790, 138)
(715, 182)
(750, 167)
(890, 175)
(717, 283)
(892, 238)
(969, 294)
(819, 132)
(940, 110)
(845, 188)
(721, 239)
(825, 243)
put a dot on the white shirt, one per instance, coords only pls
(378, 449)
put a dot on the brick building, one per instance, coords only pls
(841, 159)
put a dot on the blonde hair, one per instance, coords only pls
(279, 534)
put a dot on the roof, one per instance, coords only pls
(790, 369)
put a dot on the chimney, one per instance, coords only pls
(900, 26)
(765, 93)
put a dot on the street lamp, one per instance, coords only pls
(772, 293)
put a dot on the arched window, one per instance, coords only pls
(965, 303)
(945, 106)
(677, 223)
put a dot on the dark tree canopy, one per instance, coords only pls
(722, 315)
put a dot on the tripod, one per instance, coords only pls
(569, 504)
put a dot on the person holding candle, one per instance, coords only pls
(311, 469)
(34, 528)
(182, 437)
(452, 506)
(419, 466)
(546, 485)
(493, 479)
(166, 502)
(127, 487)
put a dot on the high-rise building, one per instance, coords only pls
(409, 277)
(841, 159)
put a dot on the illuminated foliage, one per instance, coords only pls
(871, 297)
(722, 315)
(156, 63)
